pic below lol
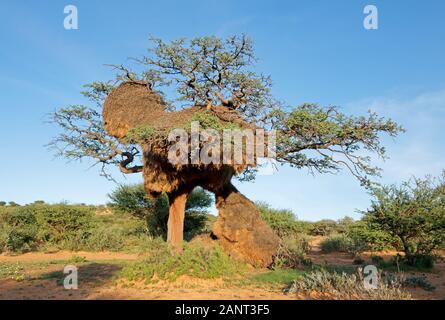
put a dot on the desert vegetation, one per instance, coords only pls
(132, 223)
(161, 234)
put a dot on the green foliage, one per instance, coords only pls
(414, 213)
(292, 252)
(344, 225)
(18, 230)
(343, 243)
(366, 232)
(28, 227)
(422, 262)
(2, 203)
(419, 282)
(139, 134)
(294, 244)
(278, 276)
(334, 285)
(326, 140)
(59, 223)
(195, 260)
(208, 120)
(337, 243)
(210, 71)
(323, 227)
(13, 204)
(132, 199)
(282, 221)
(119, 232)
(377, 260)
(14, 271)
(69, 227)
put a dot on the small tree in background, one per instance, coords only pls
(13, 204)
(133, 199)
(413, 213)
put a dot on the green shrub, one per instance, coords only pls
(278, 276)
(342, 243)
(414, 213)
(133, 199)
(29, 227)
(323, 228)
(292, 252)
(343, 225)
(195, 260)
(402, 263)
(294, 243)
(283, 222)
(419, 282)
(61, 222)
(120, 233)
(19, 230)
(375, 239)
(377, 260)
(346, 286)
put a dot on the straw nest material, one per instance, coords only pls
(133, 105)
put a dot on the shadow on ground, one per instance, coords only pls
(49, 285)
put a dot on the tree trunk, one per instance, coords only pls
(175, 224)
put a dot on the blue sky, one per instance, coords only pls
(315, 51)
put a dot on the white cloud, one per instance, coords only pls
(420, 150)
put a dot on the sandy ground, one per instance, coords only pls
(40, 274)
(66, 255)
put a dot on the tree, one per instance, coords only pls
(2, 203)
(413, 213)
(13, 204)
(133, 200)
(209, 72)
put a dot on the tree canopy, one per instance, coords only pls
(413, 213)
(210, 71)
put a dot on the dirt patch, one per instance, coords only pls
(66, 255)
(43, 280)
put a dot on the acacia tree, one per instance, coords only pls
(413, 213)
(209, 71)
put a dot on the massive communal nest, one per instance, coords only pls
(134, 110)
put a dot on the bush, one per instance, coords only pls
(133, 199)
(61, 222)
(283, 222)
(324, 228)
(29, 227)
(346, 286)
(344, 225)
(369, 234)
(19, 230)
(118, 233)
(196, 260)
(294, 244)
(292, 253)
(377, 260)
(413, 213)
(401, 263)
(419, 282)
(342, 243)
